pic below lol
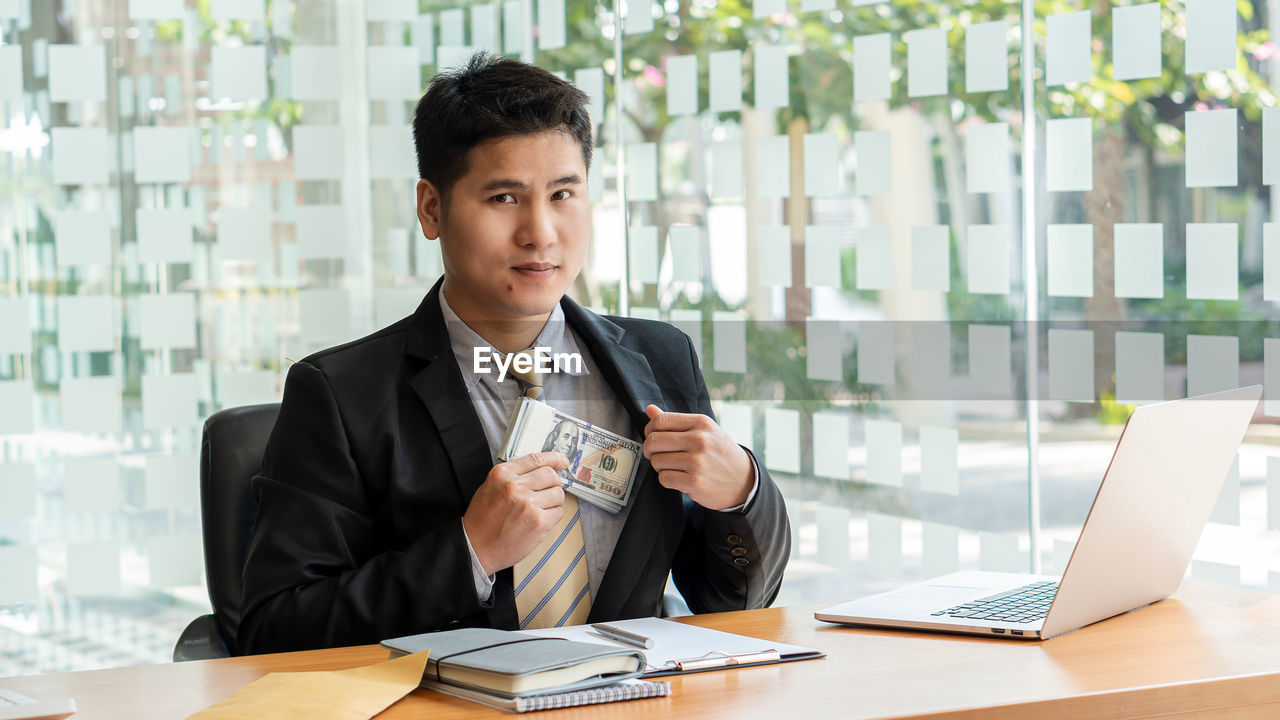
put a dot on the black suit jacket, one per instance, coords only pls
(377, 452)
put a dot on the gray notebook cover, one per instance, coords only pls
(513, 654)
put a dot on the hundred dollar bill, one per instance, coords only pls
(602, 464)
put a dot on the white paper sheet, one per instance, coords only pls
(162, 154)
(821, 256)
(315, 72)
(823, 350)
(90, 404)
(1068, 46)
(871, 61)
(240, 73)
(831, 445)
(1071, 365)
(1213, 363)
(987, 259)
(939, 460)
(87, 323)
(1135, 41)
(986, 53)
(729, 342)
(1070, 260)
(782, 440)
(991, 360)
(1139, 260)
(930, 258)
(1069, 155)
(725, 77)
(1211, 148)
(987, 158)
(79, 155)
(874, 152)
(1211, 35)
(773, 259)
(1139, 367)
(82, 237)
(874, 249)
(926, 62)
(642, 172)
(168, 320)
(77, 73)
(169, 401)
(884, 452)
(875, 353)
(1213, 251)
(773, 166)
(318, 152)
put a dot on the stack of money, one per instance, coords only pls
(602, 464)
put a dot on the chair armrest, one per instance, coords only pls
(673, 605)
(200, 641)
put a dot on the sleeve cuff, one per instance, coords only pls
(484, 583)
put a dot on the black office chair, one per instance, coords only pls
(230, 455)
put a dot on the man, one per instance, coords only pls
(383, 510)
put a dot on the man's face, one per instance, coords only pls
(517, 226)
(566, 442)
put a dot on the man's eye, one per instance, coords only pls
(562, 194)
(504, 198)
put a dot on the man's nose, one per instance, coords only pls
(537, 226)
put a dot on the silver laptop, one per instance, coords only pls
(1146, 519)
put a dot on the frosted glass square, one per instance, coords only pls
(1139, 367)
(1273, 493)
(642, 254)
(591, 81)
(991, 360)
(168, 320)
(735, 418)
(1068, 43)
(930, 369)
(726, 169)
(93, 568)
(1271, 377)
(315, 72)
(390, 153)
(1135, 41)
(987, 158)
(90, 404)
(321, 232)
(874, 152)
(871, 61)
(77, 73)
(773, 166)
(175, 560)
(772, 90)
(1211, 148)
(1213, 364)
(833, 536)
(1069, 155)
(324, 316)
(831, 445)
(18, 398)
(17, 490)
(884, 546)
(15, 325)
(821, 166)
(874, 248)
(689, 322)
(250, 387)
(1270, 144)
(939, 460)
(1070, 260)
(685, 242)
(988, 259)
(453, 26)
(87, 323)
(642, 172)
(156, 9)
(941, 554)
(773, 259)
(926, 62)
(161, 154)
(1071, 365)
(823, 356)
(782, 440)
(244, 234)
(931, 258)
(240, 73)
(169, 401)
(318, 152)
(1139, 260)
(394, 73)
(767, 8)
(18, 568)
(1213, 251)
(999, 553)
(884, 452)
(875, 353)
(1211, 35)
(165, 235)
(82, 237)
(821, 256)
(986, 57)
(682, 85)
(725, 77)
(11, 74)
(172, 481)
(1227, 509)
(1215, 572)
(729, 342)
(248, 9)
(91, 486)
(79, 156)
(551, 22)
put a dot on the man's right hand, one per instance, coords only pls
(518, 503)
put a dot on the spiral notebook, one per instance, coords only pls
(624, 690)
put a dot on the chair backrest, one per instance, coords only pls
(230, 455)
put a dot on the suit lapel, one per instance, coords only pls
(645, 533)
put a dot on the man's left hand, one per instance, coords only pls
(695, 456)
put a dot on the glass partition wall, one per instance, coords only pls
(931, 254)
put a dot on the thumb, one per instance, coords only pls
(652, 412)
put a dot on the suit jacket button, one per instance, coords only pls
(739, 551)
(741, 561)
(734, 539)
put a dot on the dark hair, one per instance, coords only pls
(491, 97)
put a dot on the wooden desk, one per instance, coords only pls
(1207, 652)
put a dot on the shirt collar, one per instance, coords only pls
(555, 334)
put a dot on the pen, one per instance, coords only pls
(622, 636)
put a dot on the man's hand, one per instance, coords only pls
(696, 456)
(518, 503)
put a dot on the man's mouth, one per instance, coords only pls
(535, 269)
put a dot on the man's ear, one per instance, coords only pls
(430, 207)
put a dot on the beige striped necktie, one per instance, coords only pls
(551, 584)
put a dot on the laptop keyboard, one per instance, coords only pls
(1019, 605)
